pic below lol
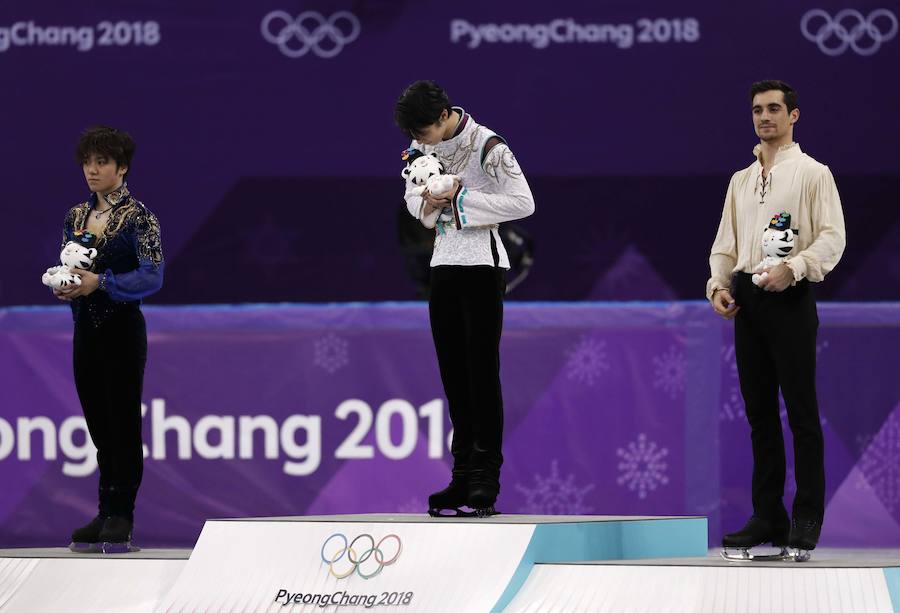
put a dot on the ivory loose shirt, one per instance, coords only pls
(796, 183)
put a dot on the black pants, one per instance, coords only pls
(109, 376)
(466, 310)
(775, 346)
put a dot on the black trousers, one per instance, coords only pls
(466, 310)
(109, 376)
(775, 346)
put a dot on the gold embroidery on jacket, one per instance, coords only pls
(127, 213)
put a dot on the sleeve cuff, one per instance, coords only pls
(459, 211)
(712, 285)
(798, 267)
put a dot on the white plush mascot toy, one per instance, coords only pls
(425, 171)
(75, 254)
(777, 243)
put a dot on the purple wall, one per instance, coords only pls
(284, 171)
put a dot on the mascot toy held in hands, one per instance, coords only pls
(777, 243)
(77, 253)
(425, 171)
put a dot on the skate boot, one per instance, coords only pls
(484, 485)
(87, 538)
(804, 537)
(482, 498)
(115, 536)
(449, 502)
(757, 531)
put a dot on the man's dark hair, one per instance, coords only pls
(420, 106)
(790, 96)
(111, 143)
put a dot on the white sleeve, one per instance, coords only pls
(723, 255)
(829, 233)
(512, 201)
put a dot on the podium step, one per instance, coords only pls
(414, 562)
(833, 582)
(36, 580)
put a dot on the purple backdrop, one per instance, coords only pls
(628, 120)
(610, 409)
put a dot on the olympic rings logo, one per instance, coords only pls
(310, 29)
(355, 562)
(850, 29)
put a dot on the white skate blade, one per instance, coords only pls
(743, 554)
(447, 512)
(79, 547)
(118, 548)
(460, 512)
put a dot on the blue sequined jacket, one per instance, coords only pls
(129, 256)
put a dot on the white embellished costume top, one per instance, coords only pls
(492, 190)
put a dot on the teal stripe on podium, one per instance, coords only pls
(892, 578)
(607, 540)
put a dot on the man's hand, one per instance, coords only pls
(439, 201)
(448, 195)
(724, 304)
(779, 278)
(432, 203)
(63, 294)
(89, 282)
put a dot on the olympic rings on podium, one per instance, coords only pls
(356, 562)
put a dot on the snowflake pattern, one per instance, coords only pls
(587, 361)
(331, 353)
(553, 495)
(880, 464)
(669, 372)
(642, 467)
